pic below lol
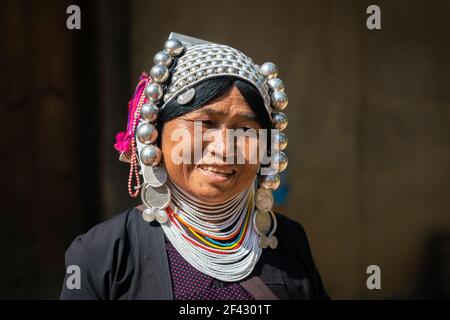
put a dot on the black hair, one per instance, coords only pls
(213, 88)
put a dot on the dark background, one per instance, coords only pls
(369, 112)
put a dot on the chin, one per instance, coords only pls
(213, 194)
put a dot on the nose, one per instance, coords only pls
(219, 147)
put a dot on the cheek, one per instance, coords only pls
(249, 148)
(176, 148)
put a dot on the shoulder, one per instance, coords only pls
(103, 234)
(295, 247)
(98, 252)
(291, 230)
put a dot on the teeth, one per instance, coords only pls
(217, 170)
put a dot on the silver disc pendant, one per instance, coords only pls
(263, 242)
(263, 222)
(273, 242)
(161, 216)
(186, 97)
(156, 197)
(264, 199)
(155, 176)
(148, 214)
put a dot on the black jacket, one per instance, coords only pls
(125, 258)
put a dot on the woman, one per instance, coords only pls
(204, 132)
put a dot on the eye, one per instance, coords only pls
(207, 123)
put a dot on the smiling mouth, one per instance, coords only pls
(223, 171)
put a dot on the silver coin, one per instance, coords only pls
(156, 197)
(186, 97)
(155, 176)
(263, 242)
(161, 216)
(273, 242)
(148, 214)
(263, 222)
(263, 199)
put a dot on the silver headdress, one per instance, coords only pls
(197, 60)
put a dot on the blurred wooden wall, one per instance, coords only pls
(64, 95)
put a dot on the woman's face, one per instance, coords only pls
(217, 173)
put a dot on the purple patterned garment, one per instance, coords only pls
(190, 284)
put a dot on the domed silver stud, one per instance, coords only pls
(153, 92)
(190, 78)
(231, 70)
(269, 70)
(149, 112)
(173, 47)
(279, 100)
(162, 58)
(147, 133)
(166, 97)
(149, 214)
(279, 161)
(279, 120)
(271, 182)
(279, 141)
(150, 155)
(276, 84)
(159, 73)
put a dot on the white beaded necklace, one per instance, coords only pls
(230, 265)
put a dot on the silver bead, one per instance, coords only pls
(149, 112)
(220, 69)
(159, 73)
(162, 58)
(271, 182)
(153, 92)
(149, 214)
(276, 84)
(147, 133)
(280, 161)
(150, 155)
(173, 47)
(279, 120)
(269, 70)
(210, 71)
(279, 141)
(161, 215)
(279, 100)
